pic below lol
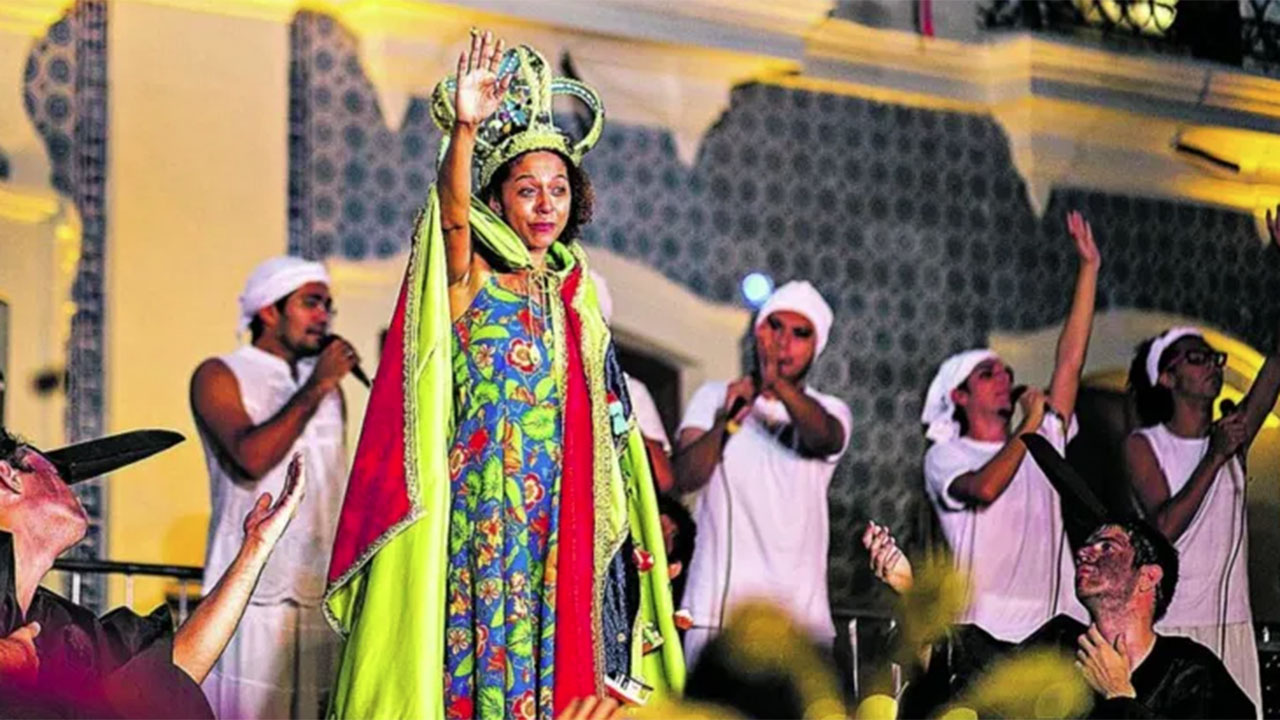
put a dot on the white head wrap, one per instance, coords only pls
(939, 408)
(1161, 343)
(603, 298)
(274, 279)
(800, 297)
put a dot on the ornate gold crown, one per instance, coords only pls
(524, 121)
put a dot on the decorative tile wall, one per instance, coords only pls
(913, 223)
(65, 93)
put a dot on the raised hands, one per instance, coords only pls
(888, 562)
(1082, 233)
(267, 521)
(479, 91)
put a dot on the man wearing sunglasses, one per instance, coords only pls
(1188, 474)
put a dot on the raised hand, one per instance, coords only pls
(479, 91)
(767, 346)
(1082, 233)
(888, 562)
(266, 522)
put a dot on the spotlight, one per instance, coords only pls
(756, 288)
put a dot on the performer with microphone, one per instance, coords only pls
(273, 398)
(1001, 517)
(764, 447)
(1188, 475)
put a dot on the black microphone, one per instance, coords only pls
(356, 371)
(1229, 407)
(1016, 394)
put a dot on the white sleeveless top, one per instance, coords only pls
(298, 565)
(1213, 552)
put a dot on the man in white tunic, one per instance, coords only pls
(1001, 517)
(764, 448)
(1188, 474)
(256, 407)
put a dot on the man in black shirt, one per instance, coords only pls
(56, 658)
(1126, 574)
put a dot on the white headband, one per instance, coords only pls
(939, 408)
(1161, 343)
(799, 296)
(274, 279)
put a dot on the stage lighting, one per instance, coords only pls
(756, 288)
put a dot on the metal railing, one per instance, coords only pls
(76, 569)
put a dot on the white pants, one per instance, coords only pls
(279, 664)
(1240, 653)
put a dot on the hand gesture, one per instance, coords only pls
(767, 348)
(479, 91)
(887, 560)
(1228, 436)
(1105, 667)
(266, 522)
(334, 362)
(1034, 404)
(19, 664)
(1082, 233)
(744, 389)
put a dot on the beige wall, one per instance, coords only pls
(197, 198)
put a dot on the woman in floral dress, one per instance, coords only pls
(500, 472)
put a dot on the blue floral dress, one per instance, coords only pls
(504, 469)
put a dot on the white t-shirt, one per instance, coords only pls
(762, 518)
(1015, 550)
(298, 566)
(646, 412)
(1206, 547)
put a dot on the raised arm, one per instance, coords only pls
(1074, 341)
(204, 636)
(1261, 397)
(252, 450)
(477, 96)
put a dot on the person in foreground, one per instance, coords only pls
(1126, 575)
(56, 658)
(499, 552)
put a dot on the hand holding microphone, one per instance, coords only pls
(1033, 403)
(1229, 434)
(337, 358)
(738, 399)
